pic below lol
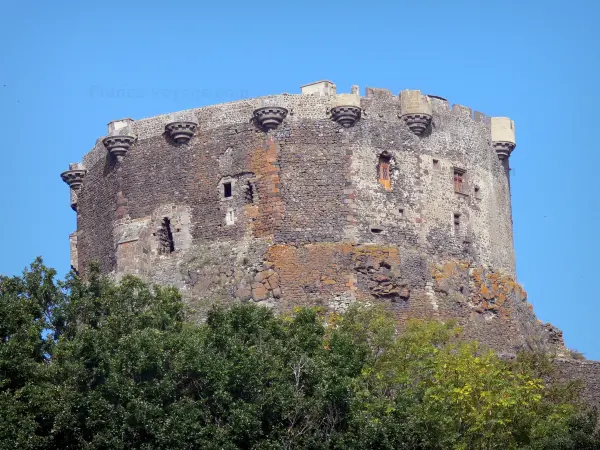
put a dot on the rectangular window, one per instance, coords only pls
(384, 172)
(459, 177)
(456, 224)
(436, 164)
(227, 190)
(477, 192)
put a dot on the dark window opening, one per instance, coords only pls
(401, 211)
(477, 193)
(383, 172)
(250, 192)
(166, 244)
(436, 164)
(459, 181)
(456, 223)
(227, 190)
(376, 230)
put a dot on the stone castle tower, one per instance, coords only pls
(315, 198)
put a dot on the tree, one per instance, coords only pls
(26, 391)
(105, 365)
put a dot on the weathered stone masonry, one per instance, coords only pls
(315, 198)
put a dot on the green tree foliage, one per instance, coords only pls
(99, 365)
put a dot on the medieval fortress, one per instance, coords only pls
(317, 198)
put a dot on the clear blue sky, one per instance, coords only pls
(68, 68)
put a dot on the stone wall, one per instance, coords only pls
(299, 215)
(586, 371)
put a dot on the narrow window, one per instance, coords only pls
(459, 180)
(227, 189)
(230, 217)
(477, 193)
(401, 211)
(384, 172)
(376, 230)
(166, 244)
(436, 164)
(249, 192)
(456, 224)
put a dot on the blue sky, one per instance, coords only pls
(68, 68)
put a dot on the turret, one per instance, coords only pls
(120, 138)
(269, 117)
(346, 109)
(415, 110)
(74, 178)
(503, 136)
(181, 127)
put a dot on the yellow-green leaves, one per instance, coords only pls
(121, 369)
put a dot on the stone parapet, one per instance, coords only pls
(376, 105)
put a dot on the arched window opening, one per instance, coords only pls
(383, 170)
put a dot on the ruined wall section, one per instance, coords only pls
(587, 372)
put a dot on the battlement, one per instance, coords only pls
(317, 101)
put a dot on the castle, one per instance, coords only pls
(317, 198)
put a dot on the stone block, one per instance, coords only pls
(259, 292)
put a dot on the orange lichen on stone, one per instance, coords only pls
(501, 299)
(441, 272)
(493, 290)
(317, 271)
(489, 290)
(269, 211)
(308, 271)
(485, 291)
(379, 252)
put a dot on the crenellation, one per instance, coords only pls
(378, 93)
(376, 105)
(462, 111)
(439, 105)
(480, 117)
